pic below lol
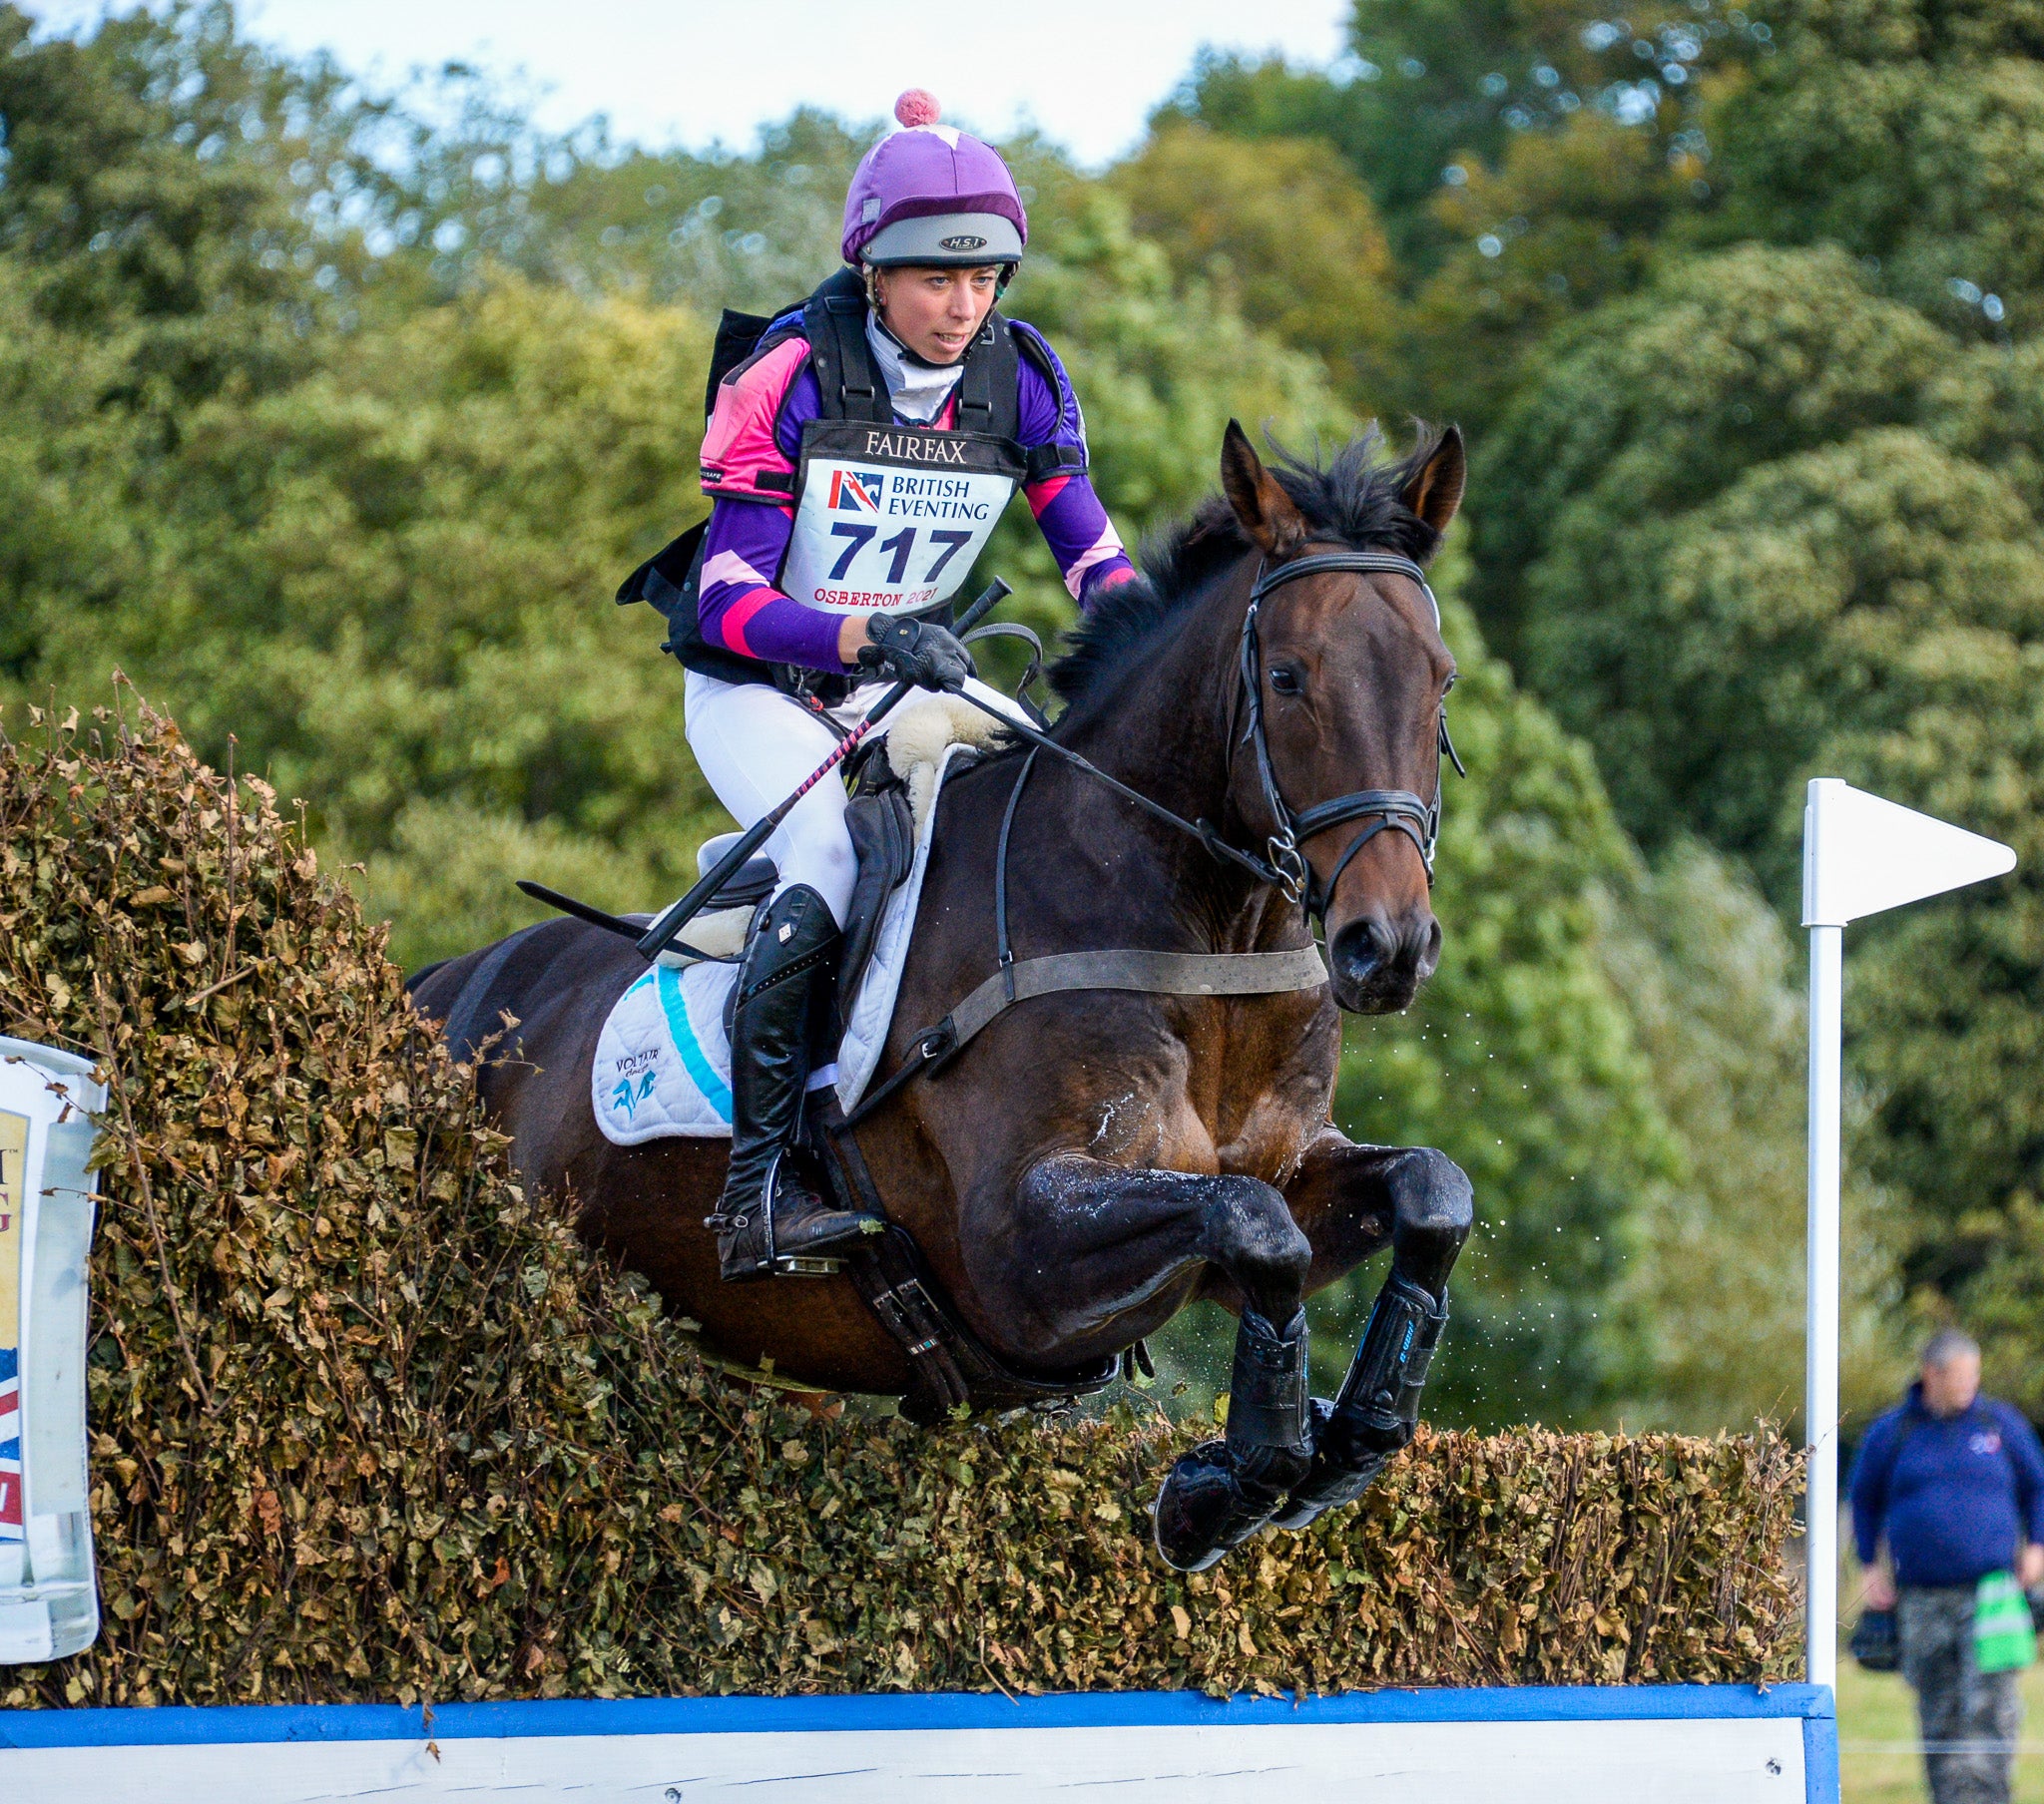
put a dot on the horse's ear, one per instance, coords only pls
(1434, 489)
(1267, 513)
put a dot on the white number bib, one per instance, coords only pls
(891, 518)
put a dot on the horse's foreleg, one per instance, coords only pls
(1100, 1238)
(1345, 1194)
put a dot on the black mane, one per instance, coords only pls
(1353, 497)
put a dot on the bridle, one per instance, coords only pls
(1286, 867)
(1386, 810)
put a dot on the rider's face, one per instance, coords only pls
(938, 312)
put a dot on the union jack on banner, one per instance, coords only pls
(856, 491)
(10, 1444)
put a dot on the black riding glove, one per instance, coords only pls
(915, 651)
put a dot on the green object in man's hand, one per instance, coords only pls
(2005, 1638)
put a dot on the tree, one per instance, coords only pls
(1429, 82)
(1639, 413)
(1571, 218)
(390, 582)
(488, 193)
(1785, 526)
(1909, 133)
(171, 185)
(1283, 230)
(1712, 1297)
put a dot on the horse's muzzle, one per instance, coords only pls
(1377, 965)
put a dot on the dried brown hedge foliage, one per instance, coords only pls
(368, 1423)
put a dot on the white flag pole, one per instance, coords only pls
(1820, 1330)
(1860, 855)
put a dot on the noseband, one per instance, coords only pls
(1385, 809)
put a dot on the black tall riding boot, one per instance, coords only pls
(767, 1219)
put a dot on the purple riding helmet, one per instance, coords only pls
(931, 194)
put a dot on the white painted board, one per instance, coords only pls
(1671, 1745)
(1646, 1762)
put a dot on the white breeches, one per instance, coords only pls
(756, 747)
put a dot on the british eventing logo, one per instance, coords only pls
(856, 491)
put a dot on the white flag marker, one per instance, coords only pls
(1860, 855)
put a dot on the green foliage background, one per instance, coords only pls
(334, 428)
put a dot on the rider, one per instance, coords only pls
(858, 461)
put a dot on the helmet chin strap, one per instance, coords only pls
(907, 352)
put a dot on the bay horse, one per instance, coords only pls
(1095, 1161)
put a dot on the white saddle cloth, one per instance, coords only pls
(663, 1061)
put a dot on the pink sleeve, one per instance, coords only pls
(738, 450)
(1080, 536)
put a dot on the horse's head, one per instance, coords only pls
(1349, 672)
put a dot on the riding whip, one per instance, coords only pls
(656, 939)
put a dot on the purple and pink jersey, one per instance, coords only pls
(756, 431)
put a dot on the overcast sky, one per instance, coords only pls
(693, 71)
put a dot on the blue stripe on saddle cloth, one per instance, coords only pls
(663, 1065)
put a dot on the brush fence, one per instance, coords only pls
(1648, 1744)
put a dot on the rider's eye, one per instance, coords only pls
(1284, 680)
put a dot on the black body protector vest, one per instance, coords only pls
(887, 517)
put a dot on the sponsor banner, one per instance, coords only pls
(13, 1172)
(49, 1600)
(12, 1199)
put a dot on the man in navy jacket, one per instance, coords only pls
(1951, 1483)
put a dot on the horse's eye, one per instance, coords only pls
(1284, 680)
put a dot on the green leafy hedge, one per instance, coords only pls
(368, 1422)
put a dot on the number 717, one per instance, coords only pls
(900, 546)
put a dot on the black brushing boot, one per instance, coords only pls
(1355, 1436)
(1222, 1491)
(767, 1219)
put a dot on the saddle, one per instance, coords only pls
(882, 829)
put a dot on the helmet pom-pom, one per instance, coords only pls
(917, 107)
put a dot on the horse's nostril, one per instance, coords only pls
(1363, 948)
(1372, 951)
(1431, 957)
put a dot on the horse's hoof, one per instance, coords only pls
(1208, 1506)
(1341, 1472)
(1321, 1492)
